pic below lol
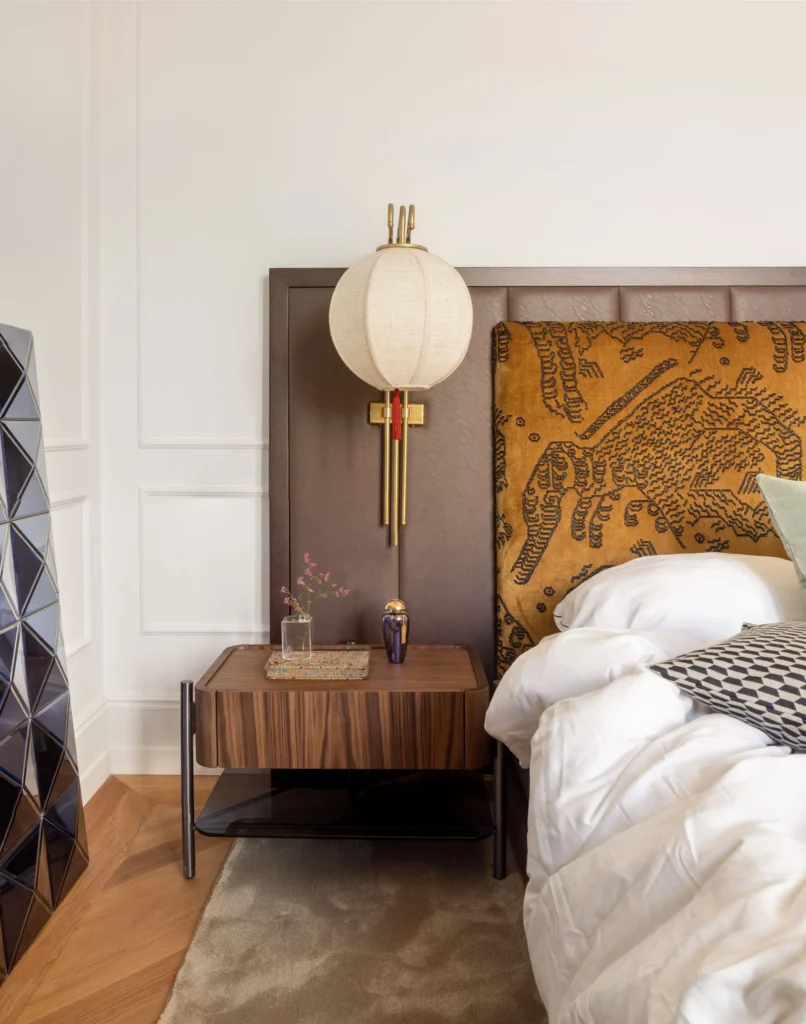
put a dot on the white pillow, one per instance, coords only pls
(708, 595)
(567, 665)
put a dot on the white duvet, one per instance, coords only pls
(667, 848)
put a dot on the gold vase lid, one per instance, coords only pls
(396, 606)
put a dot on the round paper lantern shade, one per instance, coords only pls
(401, 318)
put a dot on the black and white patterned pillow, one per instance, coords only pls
(757, 676)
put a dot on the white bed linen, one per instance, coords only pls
(565, 665)
(667, 860)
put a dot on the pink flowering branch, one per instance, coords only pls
(313, 586)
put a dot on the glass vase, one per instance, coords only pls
(297, 636)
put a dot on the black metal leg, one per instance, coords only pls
(499, 814)
(188, 809)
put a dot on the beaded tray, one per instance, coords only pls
(322, 665)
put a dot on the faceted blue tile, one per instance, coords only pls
(9, 792)
(58, 848)
(45, 623)
(34, 501)
(64, 811)
(27, 434)
(27, 566)
(43, 596)
(36, 530)
(38, 663)
(18, 343)
(8, 645)
(65, 775)
(12, 754)
(17, 469)
(23, 405)
(55, 685)
(47, 757)
(54, 718)
(15, 900)
(11, 374)
(21, 863)
(12, 713)
(25, 815)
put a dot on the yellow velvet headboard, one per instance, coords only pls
(620, 440)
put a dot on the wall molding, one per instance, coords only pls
(91, 733)
(190, 629)
(63, 444)
(83, 501)
(145, 738)
(145, 440)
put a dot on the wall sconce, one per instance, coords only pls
(401, 320)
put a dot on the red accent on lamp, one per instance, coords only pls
(397, 417)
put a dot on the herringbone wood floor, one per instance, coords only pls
(111, 952)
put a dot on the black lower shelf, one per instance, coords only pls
(348, 805)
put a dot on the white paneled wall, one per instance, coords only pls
(49, 284)
(168, 154)
(241, 136)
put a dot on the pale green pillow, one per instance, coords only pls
(786, 500)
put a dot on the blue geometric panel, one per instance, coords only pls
(64, 810)
(38, 663)
(24, 815)
(55, 684)
(15, 900)
(54, 718)
(21, 863)
(17, 469)
(34, 501)
(43, 841)
(12, 712)
(18, 343)
(13, 752)
(44, 594)
(22, 405)
(11, 373)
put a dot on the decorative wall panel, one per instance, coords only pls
(43, 843)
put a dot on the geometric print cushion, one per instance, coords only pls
(757, 676)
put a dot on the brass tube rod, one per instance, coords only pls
(387, 428)
(395, 492)
(404, 472)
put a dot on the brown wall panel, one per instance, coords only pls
(552, 303)
(760, 303)
(325, 460)
(334, 477)
(647, 304)
(447, 559)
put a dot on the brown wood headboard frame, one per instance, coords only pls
(324, 469)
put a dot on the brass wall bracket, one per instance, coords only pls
(416, 414)
(395, 456)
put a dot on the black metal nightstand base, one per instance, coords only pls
(357, 804)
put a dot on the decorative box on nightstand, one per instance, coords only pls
(399, 754)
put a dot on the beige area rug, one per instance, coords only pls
(357, 932)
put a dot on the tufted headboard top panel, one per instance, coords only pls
(325, 459)
(623, 440)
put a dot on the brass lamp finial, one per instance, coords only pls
(405, 226)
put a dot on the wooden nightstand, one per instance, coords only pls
(397, 755)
